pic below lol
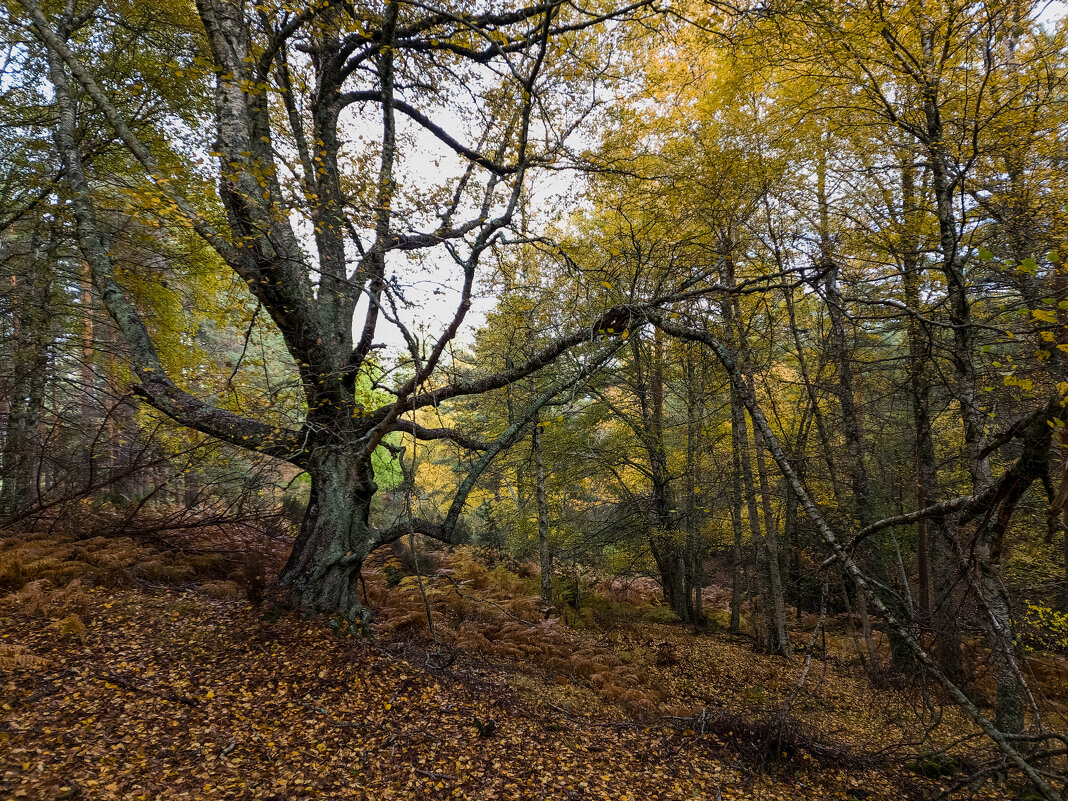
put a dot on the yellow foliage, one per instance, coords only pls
(1045, 628)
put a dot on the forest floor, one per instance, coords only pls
(146, 688)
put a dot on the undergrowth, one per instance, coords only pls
(46, 574)
(611, 651)
(497, 613)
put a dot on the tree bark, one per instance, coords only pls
(856, 457)
(775, 639)
(545, 551)
(1010, 691)
(335, 535)
(31, 287)
(695, 481)
(780, 642)
(664, 534)
(737, 557)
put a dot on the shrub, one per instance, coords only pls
(933, 765)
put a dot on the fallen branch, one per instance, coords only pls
(127, 684)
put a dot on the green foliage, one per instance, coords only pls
(567, 592)
(659, 613)
(387, 468)
(933, 765)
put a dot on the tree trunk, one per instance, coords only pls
(1009, 706)
(1010, 689)
(775, 638)
(663, 539)
(934, 537)
(740, 435)
(790, 546)
(780, 638)
(335, 537)
(1064, 598)
(31, 330)
(863, 498)
(88, 416)
(694, 551)
(736, 522)
(545, 552)
(1064, 527)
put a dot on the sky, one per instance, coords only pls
(1053, 12)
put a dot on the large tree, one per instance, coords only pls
(317, 209)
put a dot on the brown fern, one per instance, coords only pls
(14, 657)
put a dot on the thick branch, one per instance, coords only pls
(155, 386)
(423, 433)
(164, 395)
(540, 359)
(1029, 466)
(404, 528)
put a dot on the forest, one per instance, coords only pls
(554, 399)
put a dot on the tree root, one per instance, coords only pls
(332, 589)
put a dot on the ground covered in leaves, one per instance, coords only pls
(146, 689)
